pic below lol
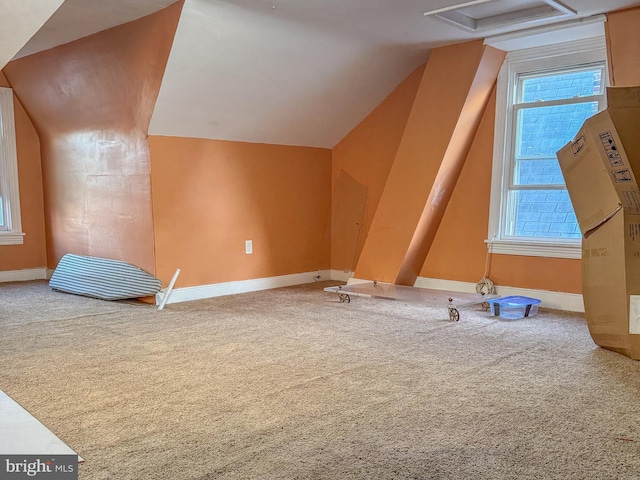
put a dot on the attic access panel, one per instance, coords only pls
(482, 15)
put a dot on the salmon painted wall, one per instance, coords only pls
(366, 155)
(32, 253)
(623, 47)
(453, 160)
(459, 251)
(91, 102)
(210, 196)
(435, 113)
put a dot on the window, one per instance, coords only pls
(544, 95)
(10, 223)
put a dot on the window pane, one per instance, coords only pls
(537, 172)
(541, 214)
(542, 131)
(568, 85)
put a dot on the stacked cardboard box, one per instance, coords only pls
(601, 167)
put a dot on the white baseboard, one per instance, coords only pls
(340, 275)
(559, 300)
(243, 286)
(23, 275)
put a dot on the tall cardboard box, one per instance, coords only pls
(601, 167)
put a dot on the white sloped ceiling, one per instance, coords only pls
(292, 72)
(19, 21)
(262, 75)
(300, 72)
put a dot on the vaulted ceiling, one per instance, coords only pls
(295, 72)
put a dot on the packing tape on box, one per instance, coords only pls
(595, 252)
(600, 321)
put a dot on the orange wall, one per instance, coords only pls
(404, 213)
(32, 254)
(459, 252)
(210, 196)
(453, 160)
(91, 102)
(366, 154)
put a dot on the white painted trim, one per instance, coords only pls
(521, 61)
(453, 7)
(571, 302)
(10, 238)
(242, 286)
(560, 32)
(535, 249)
(558, 300)
(23, 275)
(9, 169)
(50, 272)
(518, 19)
(340, 275)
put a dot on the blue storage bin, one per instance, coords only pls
(514, 307)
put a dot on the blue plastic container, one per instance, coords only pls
(514, 307)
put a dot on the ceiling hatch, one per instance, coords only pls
(482, 15)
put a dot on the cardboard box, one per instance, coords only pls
(601, 167)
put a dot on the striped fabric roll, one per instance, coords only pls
(102, 278)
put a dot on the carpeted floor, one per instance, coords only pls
(292, 384)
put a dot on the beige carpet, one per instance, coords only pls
(291, 384)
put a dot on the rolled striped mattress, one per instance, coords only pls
(102, 278)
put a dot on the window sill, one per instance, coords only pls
(535, 249)
(11, 238)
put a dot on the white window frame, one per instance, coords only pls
(11, 233)
(582, 52)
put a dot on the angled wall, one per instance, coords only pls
(459, 251)
(91, 102)
(447, 109)
(365, 156)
